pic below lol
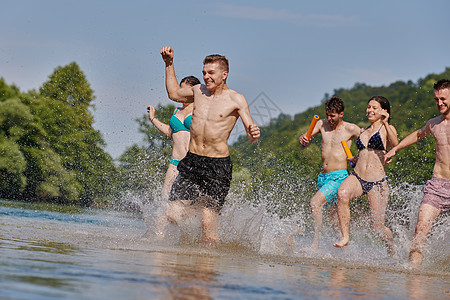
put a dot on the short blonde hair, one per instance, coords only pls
(217, 58)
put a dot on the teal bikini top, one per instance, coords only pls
(176, 125)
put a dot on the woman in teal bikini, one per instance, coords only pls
(179, 131)
(369, 177)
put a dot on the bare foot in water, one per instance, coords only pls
(341, 243)
(415, 259)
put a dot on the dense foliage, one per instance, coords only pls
(49, 148)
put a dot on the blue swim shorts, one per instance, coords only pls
(328, 184)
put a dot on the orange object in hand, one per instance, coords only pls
(347, 149)
(311, 127)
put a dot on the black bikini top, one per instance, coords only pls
(375, 142)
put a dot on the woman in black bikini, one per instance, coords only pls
(369, 177)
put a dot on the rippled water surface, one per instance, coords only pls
(55, 253)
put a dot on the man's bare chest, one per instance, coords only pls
(213, 110)
(441, 132)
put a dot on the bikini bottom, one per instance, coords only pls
(368, 185)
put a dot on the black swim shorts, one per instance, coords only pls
(202, 178)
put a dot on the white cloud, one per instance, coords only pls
(269, 14)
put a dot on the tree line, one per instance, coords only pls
(49, 148)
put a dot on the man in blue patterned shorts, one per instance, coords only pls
(334, 161)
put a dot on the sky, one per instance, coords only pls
(284, 55)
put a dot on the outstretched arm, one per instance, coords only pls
(174, 91)
(408, 141)
(252, 130)
(164, 128)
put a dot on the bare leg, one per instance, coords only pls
(160, 226)
(171, 174)
(378, 199)
(209, 226)
(162, 221)
(317, 203)
(427, 215)
(333, 218)
(179, 209)
(349, 190)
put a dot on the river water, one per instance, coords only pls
(52, 252)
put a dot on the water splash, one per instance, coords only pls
(268, 224)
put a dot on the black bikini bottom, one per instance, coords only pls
(368, 185)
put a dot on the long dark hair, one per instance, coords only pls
(384, 102)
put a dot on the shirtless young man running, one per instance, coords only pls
(334, 161)
(205, 173)
(436, 197)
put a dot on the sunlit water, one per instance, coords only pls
(62, 253)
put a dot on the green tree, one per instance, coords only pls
(50, 150)
(14, 116)
(12, 166)
(6, 91)
(69, 85)
(29, 167)
(68, 122)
